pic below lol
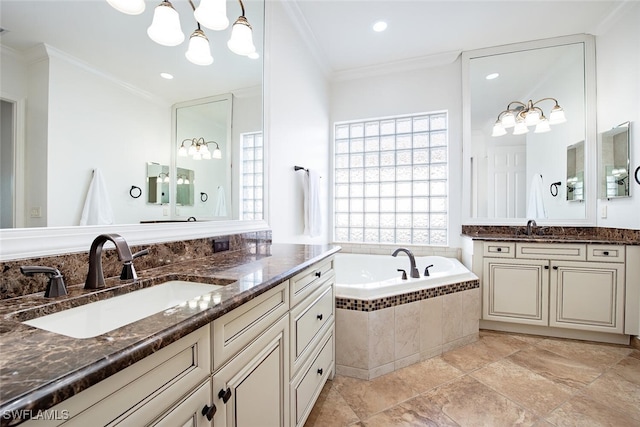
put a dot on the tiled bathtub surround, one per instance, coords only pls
(374, 343)
(74, 267)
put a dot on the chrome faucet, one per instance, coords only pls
(415, 274)
(530, 224)
(95, 277)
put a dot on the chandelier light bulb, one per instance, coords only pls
(532, 117)
(508, 120)
(212, 14)
(542, 126)
(217, 154)
(199, 52)
(520, 128)
(498, 129)
(165, 27)
(241, 41)
(130, 7)
(557, 115)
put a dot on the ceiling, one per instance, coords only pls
(337, 32)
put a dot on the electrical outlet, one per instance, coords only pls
(165, 211)
(603, 211)
(220, 245)
(36, 212)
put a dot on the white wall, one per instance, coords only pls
(618, 74)
(115, 130)
(408, 92)
(296, 127)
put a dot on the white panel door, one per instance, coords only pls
(506, 168)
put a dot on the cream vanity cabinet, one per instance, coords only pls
(175, 380)
(572, 286)
(312, 349)
(251, 362)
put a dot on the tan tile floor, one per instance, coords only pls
(500, 380)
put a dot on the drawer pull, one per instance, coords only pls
(546, 267)
(555, 267)
(319, 316)
(225, 395)
(320, 371)
(209, 411)
(318, 273)
(605, 253)
(499, 249)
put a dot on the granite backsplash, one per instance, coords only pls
(623, 235)
(74, 267)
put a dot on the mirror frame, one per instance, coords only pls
(590, 129)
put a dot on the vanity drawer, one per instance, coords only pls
(306, 387)
(605, 253)
(569, 252)
(236, 329)
(304, 283)
(308, 319)
(164, 377)
(500, 249)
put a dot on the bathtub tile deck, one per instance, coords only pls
(490, 382)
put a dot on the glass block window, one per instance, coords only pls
(390, 180)
(252, 176)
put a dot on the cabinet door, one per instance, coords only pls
(587, 296)
(516, 291)
(251, 390)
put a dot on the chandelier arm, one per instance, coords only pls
(192, 7)
(241, 6)
(516, 102)
(545, 99)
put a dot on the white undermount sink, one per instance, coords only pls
(97, 318)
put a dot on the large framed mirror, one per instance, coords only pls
(505, 164)
(83, 101)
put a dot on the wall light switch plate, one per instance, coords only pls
(220, 245)
(36, 212)
(603, 211)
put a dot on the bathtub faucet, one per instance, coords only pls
(415, 274)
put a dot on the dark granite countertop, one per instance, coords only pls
(589, 235)
(39, 369)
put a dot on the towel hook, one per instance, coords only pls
(204, 197)
(553, 188)
(299, 168)
(135, 192)
(636, 174)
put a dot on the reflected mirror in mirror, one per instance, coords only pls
(158, 184)
(185, 184)
(70, 81)
(613, 156)
(501, 167)
(203, 147)
(575, 172)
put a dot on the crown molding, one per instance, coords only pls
(616, 13)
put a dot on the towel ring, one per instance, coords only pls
(553, 188)
(135, 192)
(636, 174)
(204, 197)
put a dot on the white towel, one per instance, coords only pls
(221, 204)
(535, 208)
(312, 213)
(97, 207)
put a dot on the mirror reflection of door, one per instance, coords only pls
(158, 180)
(7, 165)
(575, 172)
(614, 162)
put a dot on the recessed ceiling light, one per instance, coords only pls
(166, 76)
(379, 26)
(492, 76)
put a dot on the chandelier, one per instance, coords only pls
(520, 116)
(212, 14)
(198, 148)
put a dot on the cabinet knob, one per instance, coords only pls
(209, 411)
(546, 267)
(225, 395)
(499, 249)
(320, 371)
(555, 267)
(606, 253)
(318, 273)
(319, 316)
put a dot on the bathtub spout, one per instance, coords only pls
(415, 274)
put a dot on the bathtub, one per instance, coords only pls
(366, 277)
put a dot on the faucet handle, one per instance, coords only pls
(140, 253)
(426, 270)
(404, 274)
(55, 286)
